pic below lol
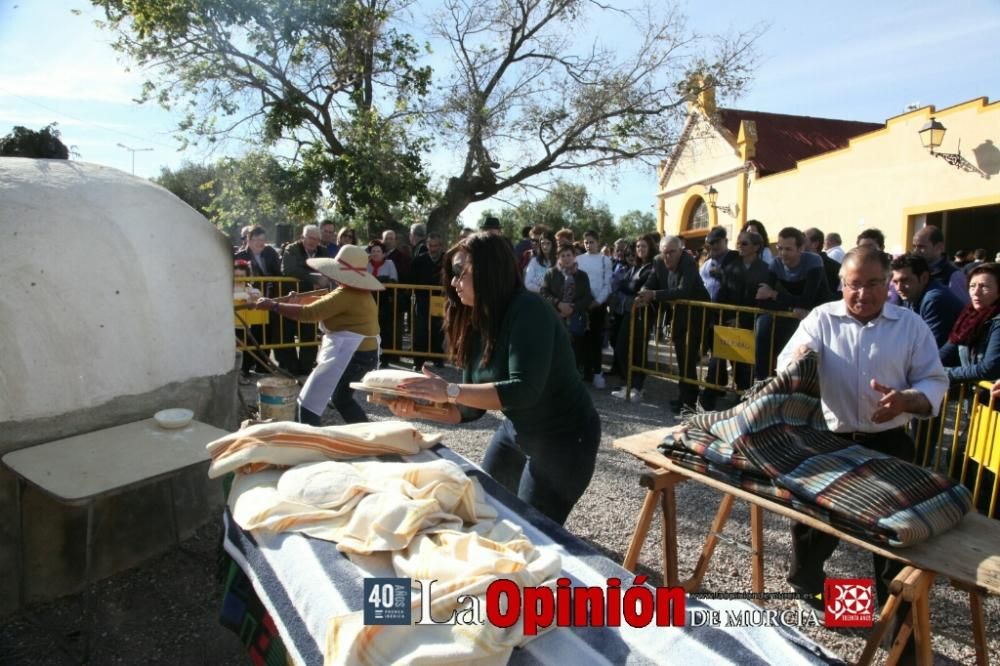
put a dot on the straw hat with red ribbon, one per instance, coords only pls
(349, 268)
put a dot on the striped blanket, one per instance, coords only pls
(776, 444)
(303, 582)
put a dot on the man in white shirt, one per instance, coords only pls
(833, 246)
(879, 368)
(598, 269)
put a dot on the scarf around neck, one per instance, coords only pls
(970, 324)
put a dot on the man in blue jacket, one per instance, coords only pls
(929, 298)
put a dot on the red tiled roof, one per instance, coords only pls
(783, 139)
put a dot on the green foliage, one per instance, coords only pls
(41, 144)
(635, 223)
(254, 189)
(197, 185)
(568, 205)
(333, 79)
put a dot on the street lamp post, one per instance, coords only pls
(133, 151)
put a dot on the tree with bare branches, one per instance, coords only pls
(528, 90)
(530, 95)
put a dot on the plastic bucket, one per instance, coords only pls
(276, 398)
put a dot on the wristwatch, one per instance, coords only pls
(452, 392)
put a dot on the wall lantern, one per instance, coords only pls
(712, 196)
(932, 136)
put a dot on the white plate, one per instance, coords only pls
(173, 418)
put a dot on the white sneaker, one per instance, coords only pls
(620, 393)
(598, 381)
(636, 396)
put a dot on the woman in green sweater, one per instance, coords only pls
(517, 358)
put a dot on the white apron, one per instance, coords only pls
(334, 354)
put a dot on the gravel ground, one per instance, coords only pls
(165, 612)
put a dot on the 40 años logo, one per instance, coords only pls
(388, 601)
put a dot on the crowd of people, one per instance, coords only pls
(594, 291)
(595, 295)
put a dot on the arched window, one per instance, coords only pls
(698, 219)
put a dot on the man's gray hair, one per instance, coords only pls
(864, 254)
(667, 240)
(309, 227)
(419, 229)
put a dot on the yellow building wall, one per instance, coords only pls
(886, 179)
(704, 159)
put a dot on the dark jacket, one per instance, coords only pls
(802, 287)
(555, 282)
(967, 364)
(425, 270)
(831, 268)
(684, 283)
(939, 307)
(293, 264)
(628, 286)
(268, 256)
(740, 282)
(272, 268)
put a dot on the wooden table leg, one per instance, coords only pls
(911, 585)
(757, 544)
(669, 536)
(721, 516)
(978, 629)
(978, 626)
(641, 529)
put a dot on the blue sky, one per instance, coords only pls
(853, 60)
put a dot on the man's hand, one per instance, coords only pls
(765, 292)
(645, 297)
(995, 391)
(893, 403)
(565, 309)
(801, 352)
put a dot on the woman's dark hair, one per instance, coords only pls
(376, 243)
(495, 281)
(990, 269)
(652, 244)
(873, 234)
(548, 260)
(759, 226)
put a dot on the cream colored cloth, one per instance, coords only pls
(364, 507)
(287, 443)
(464, 564)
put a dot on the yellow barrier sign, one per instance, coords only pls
(733, 344)
(437, 306)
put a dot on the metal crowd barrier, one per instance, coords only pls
(714, 330)
(963, 441)
(410, 319)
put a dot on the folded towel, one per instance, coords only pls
(286, 443)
